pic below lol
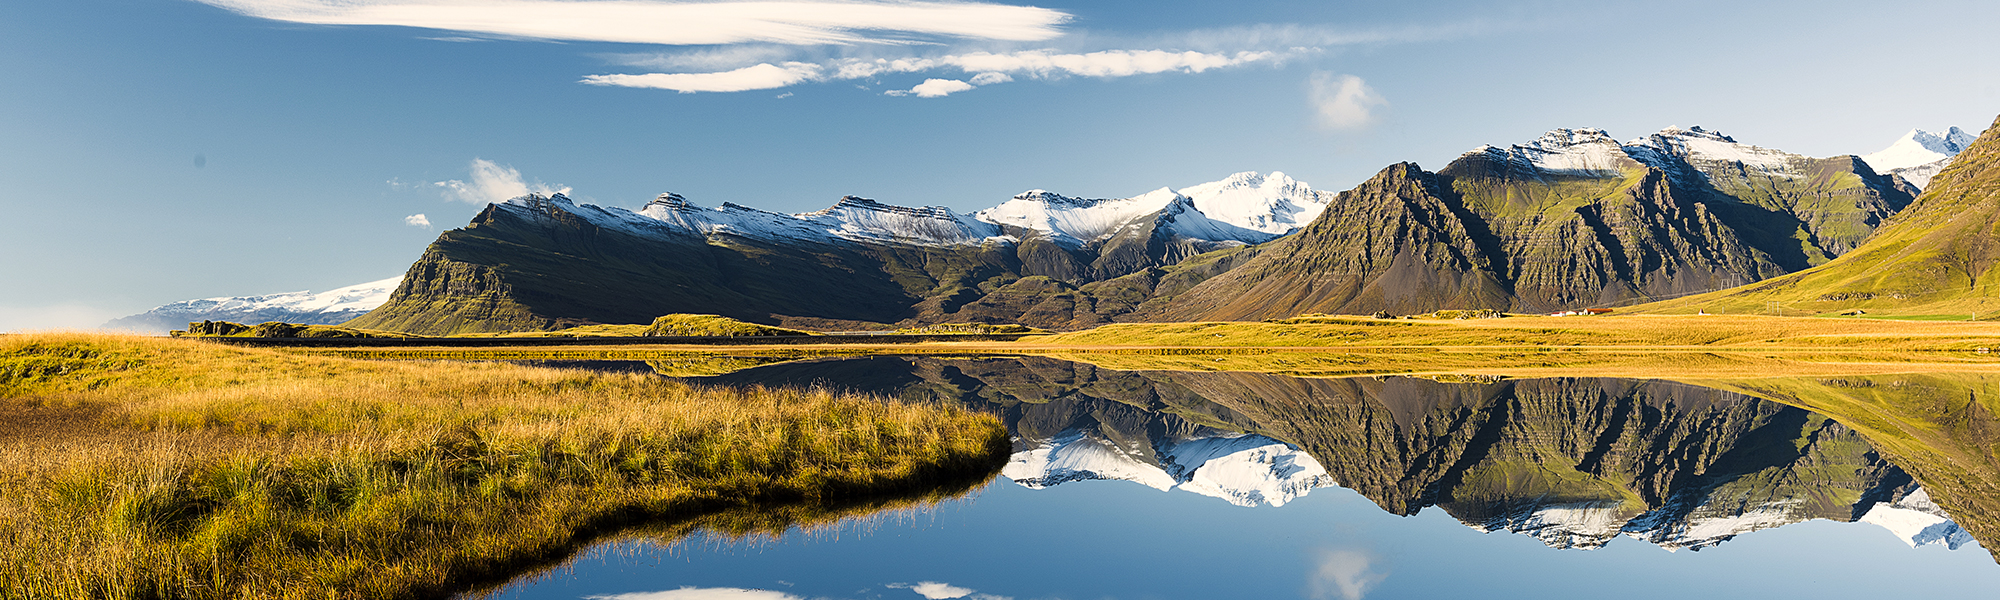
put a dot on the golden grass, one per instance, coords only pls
(150, 468)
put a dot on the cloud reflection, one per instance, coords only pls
(692, 593)
(1344, 574)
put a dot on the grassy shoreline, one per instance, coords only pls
(149, 468)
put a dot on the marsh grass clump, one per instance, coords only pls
(150, 468)
(712, 325)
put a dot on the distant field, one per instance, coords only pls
(156, 468)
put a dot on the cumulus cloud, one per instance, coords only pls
(990, 78)
(492, 182)
(934, 88)
(1343, 101)
(417, 220)
(1344, 574)
(760, 77)
(692, 593)
(801, 22)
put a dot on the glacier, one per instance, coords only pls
(330, 307)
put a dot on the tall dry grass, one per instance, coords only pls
(148, 468)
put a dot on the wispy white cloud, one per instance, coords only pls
(760, 77)
(986, 67)
(1343, 101)
(492, 182)
(692, 593)
(417, 220)
(804, 22)
(1344, 575)
(1107, 63)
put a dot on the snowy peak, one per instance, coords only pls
(1272, 204)
(1245, 207)
(1919, 147)
(1920, 155)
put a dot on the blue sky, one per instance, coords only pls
(170, 149)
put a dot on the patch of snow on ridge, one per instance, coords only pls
(1586, 152)
(1696, 146)
(1710, 524)
(857, 218)
(1918, 522)
(1584, 525)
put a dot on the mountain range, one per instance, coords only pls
(1572, 219)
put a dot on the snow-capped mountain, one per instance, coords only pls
(1245, 470)
(1245, 207)
(330, 307)
(1919, 155)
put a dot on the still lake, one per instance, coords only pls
(1167, 484)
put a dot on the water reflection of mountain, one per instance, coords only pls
(1573, 462)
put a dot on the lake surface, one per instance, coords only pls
(1162, 484)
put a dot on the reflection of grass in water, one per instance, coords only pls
(710, 365)
(753, 523)
(1646, 331)
(133, 467)
(1527, 362)
(1941, 428)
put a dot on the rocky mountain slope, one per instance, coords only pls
(331, 307)
(1573, 219)
(1937, 257)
